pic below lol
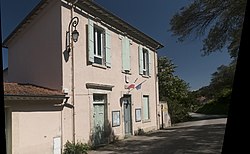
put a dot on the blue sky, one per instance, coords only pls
(152, 18)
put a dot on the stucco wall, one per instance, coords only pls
(34, 125)
(34, 53)
(84, 73)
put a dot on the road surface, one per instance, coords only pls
(196, 137)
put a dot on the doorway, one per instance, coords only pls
(99, 116)
(127, 115)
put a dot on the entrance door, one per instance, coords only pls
(99, 119)
(127, 115)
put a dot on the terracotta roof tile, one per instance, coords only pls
(29, 90)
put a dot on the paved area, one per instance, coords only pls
(195, 137)
(198, 116)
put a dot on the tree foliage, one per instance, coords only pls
(173, 90)
(220, 20)
(223, 77)
(170, 86)
(221, 82)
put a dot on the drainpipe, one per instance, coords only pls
(73, 77)
(156, 88)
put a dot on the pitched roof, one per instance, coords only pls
(25, 21)
(18, 89)
(96, 10)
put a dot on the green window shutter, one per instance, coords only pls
(140, 54)
(108, 48)
(150, 62)
(90, 40)
(125, 54)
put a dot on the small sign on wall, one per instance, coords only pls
(57, 145)
(115, 118)
(138, 115)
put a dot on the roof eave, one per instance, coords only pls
(115, 21)
(34, 97)
(109, 19)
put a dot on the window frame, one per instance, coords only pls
(145, 57)
(102, 56)
(145, 119)
(145, 61)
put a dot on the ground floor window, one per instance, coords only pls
(145, 101)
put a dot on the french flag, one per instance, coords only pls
(131, 86)
(139, 85)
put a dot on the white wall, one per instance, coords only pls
(34, 54)
(84, 73)
(34, 126)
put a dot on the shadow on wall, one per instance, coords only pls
(102, 135)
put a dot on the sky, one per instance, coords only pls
(150, 17)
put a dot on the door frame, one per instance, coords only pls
(126, 96)
(105, 111)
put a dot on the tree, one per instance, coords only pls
(220, 20)
(173, 90)
(220, 84)
(218, 93)
(170, 86)
(223, 77)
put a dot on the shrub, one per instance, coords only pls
(139, 131)
(178, 112)
(76, 148)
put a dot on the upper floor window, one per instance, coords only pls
(99, 50)
(98, 45)
(144, 61)
(145, 66)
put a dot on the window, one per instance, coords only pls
(99, 51)
(145, 101)
(144, 61)
(99, 98)
(145, 67)
(99, 41)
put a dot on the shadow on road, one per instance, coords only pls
(190, 139)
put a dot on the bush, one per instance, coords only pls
(178, 112)
(139, 131)
(76, 148)
(218, 106)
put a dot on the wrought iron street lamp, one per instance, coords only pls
(74, 35)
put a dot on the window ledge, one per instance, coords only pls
(145, 76)
(145, 121)
(125, 72)
(99, 66)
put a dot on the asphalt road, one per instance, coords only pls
(196, 137)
